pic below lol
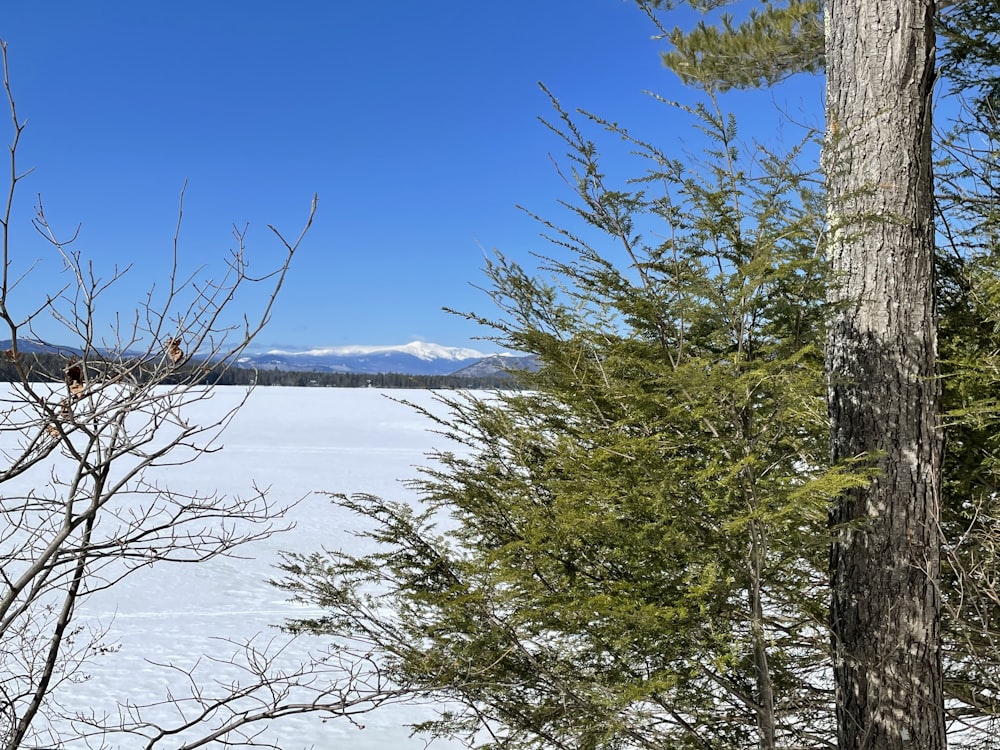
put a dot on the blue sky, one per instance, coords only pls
(415, 122)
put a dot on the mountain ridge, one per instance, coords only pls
(414, 358)
(420, 349)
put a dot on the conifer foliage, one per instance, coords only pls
(635, 546)
(633, 552)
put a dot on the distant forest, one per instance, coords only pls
(42, 366)
(238, 376)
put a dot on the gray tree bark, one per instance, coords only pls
(881, 364)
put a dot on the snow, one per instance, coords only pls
(299, 442)
(420, 349)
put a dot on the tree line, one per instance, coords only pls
(52, 366)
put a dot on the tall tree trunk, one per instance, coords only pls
(764, 698)
(881, 364)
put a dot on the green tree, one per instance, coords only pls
(884, 393)
(969, 33)
(636, 548)
(969, 295)
(543, 615)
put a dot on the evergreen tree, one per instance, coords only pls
(636, 553)
(884, 393)
(636, 556)
(969, 299)
(969, 34)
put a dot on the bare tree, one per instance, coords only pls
(88, 440)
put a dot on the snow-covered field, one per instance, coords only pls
(299, 442)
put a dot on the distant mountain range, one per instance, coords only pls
(415, 358)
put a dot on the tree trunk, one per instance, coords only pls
(881, 364)
(764, 698)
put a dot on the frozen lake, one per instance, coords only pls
(299, 442)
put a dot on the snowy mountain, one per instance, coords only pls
(415, 358)
(498, 365)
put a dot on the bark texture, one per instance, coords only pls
(881, 362)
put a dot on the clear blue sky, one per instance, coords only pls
(415, 122)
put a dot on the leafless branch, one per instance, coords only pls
(92, 436)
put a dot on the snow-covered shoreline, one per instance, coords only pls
(298, 443)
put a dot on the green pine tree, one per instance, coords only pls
(632, 551)
(636, 547)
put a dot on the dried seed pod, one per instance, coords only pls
(74, 380)
(174, 350)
